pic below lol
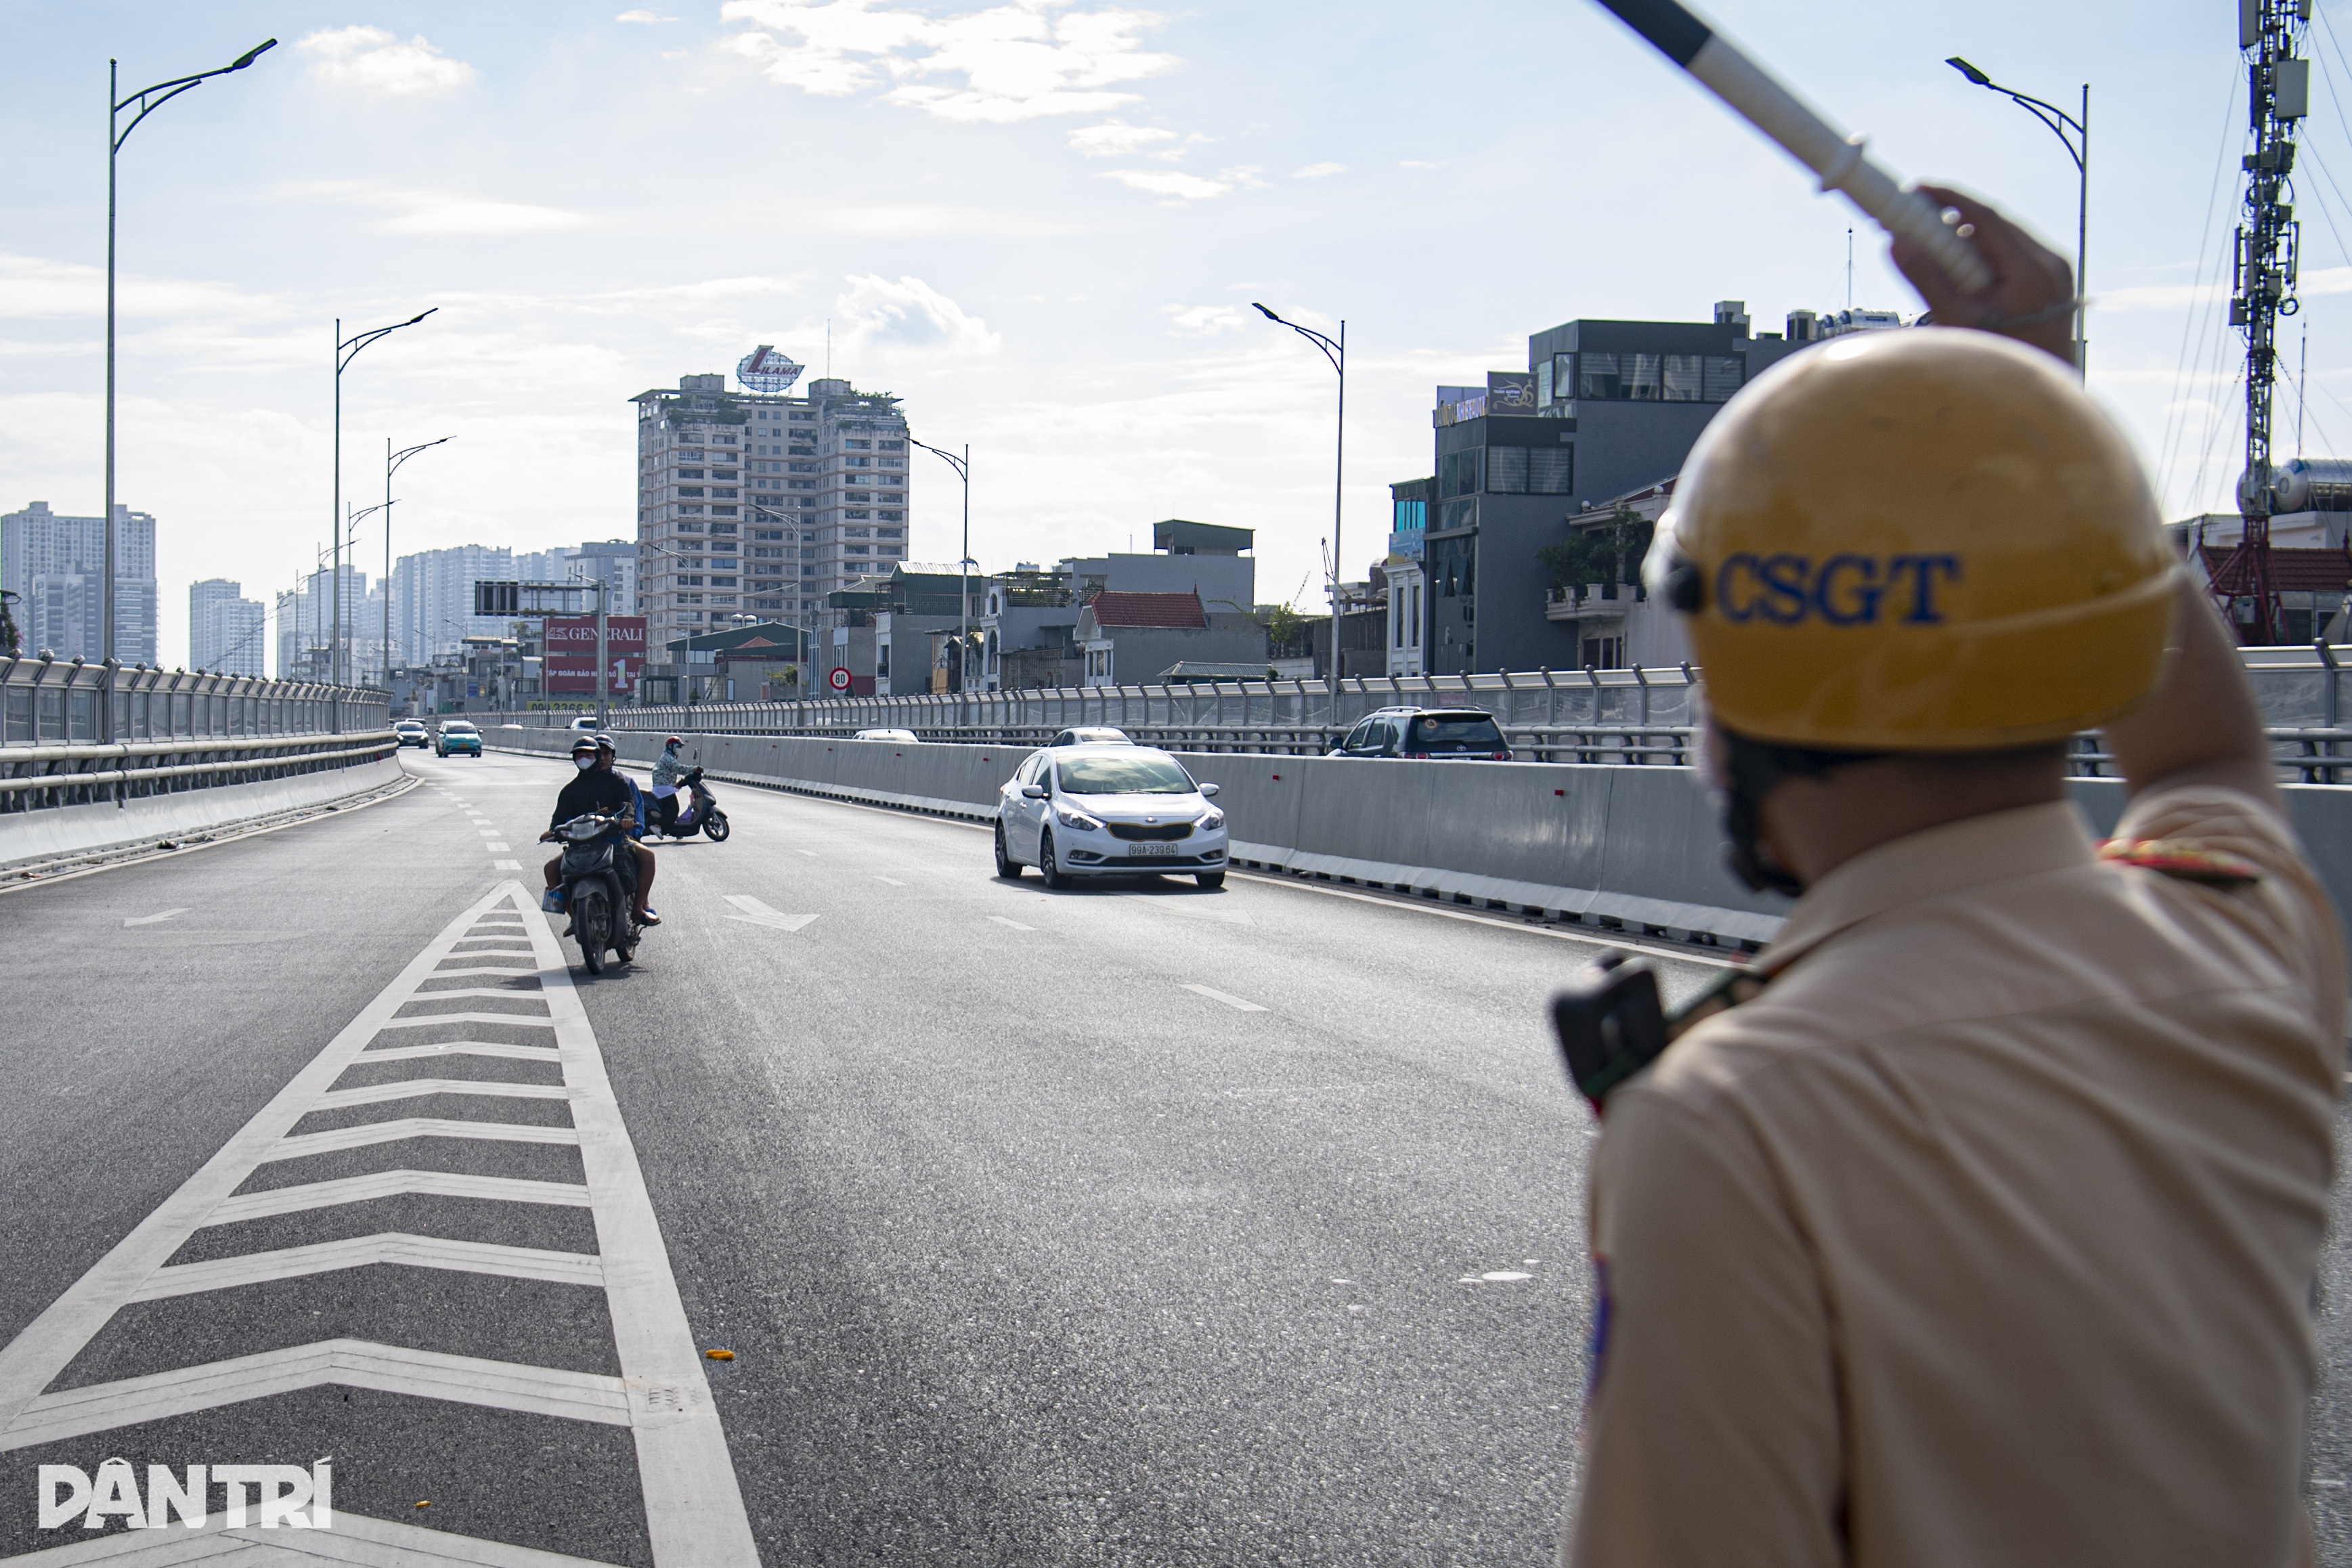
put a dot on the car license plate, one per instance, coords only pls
(1155, 849)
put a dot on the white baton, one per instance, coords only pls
(1836, 158)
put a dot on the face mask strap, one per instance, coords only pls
(1752, 769)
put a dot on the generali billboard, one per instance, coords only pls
(571, 653)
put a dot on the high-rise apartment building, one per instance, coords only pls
(757, 502)
(614, 563)
(306, 617)
(433, 600)
(55, 566)
(224, 628)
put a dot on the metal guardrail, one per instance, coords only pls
(60, 701)
(33, 778)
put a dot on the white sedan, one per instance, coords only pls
(1108, 810)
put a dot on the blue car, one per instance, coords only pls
(457, 735)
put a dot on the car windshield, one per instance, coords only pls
(1456, 733)
(456, 728)
(1124, 775)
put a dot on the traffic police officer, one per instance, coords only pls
(1986, 1233)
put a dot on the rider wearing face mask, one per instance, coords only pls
(599, 790)
(667, 773)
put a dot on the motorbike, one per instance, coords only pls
(700, 814)
(599, 883)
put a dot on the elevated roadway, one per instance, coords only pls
(1130, 1224)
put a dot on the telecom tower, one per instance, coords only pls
(2278, 83)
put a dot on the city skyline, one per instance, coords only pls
(1047, 242)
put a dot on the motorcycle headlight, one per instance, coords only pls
(1210, 821)
(1068, 817)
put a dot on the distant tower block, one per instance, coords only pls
(765, 370)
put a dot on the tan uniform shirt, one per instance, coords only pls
(1986, 1235)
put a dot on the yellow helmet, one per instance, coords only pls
(1928, 539)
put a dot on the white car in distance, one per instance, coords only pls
(903, 737)
(1115, 810)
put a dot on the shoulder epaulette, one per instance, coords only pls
(2189, 862)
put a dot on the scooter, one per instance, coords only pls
(701, 814)
(599, 885)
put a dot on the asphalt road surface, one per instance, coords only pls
(1136, 1223)
(1130, 1224)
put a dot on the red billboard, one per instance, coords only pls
(571, 653)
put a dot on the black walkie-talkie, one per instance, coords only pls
(1611, 1022)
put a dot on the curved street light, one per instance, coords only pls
(962, 466)
(1336, 350)
(346, 350)
(392, 461)
(147, 100)
(2078, 147)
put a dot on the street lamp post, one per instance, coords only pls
(392, 461)
(148, 101)
(346, 350)
(1336, 350)
(2078, 147)
(962, 467)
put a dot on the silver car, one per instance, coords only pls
(1116, 810)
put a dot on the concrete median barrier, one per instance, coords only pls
(1625, 848)
(59, 833)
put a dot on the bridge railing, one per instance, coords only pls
(173, 731)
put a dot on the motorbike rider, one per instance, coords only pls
(598, 788)
(667, 773)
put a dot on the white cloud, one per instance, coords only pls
(876, 313)
(372, 59)
(460, 215)
(1203, 320)
(643, 16)
(1116, 138)
(1016, 61)
(1178, 186)
(1316, 171)
(2316, 282)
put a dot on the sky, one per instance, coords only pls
(1043, 224)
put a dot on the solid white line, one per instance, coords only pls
(352, 1364)
(362, 1251)
(302, 1145)
(694, 1508)
(377, 1184)
(1424, 906)
(418, 1087)
(1233, 1002)
(1016, 925)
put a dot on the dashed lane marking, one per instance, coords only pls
(150, 920)
(1235, 1003)
(693, 1508)
(892, 880)
(495, 848)
(1016, 925)
(506, 865)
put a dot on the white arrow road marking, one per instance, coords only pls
(759, 914)
(693, 1508)
(1016, 925)
(1235, 1003)
(150, 920)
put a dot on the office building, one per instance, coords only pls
(55, 565)
(225, 630)
(1604, 409)
(756, 502)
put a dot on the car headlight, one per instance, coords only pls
(1068, 817)
(1210, 821)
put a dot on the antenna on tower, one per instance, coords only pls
(2262, 290)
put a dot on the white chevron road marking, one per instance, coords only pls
(392, 1184)
(356, 1539)
(693, 1508)
(360, 1251)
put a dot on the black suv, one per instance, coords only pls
(1430, 734)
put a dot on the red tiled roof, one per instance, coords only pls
(1171, 611)
(2291, 571)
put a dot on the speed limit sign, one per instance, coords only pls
(840, 679)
